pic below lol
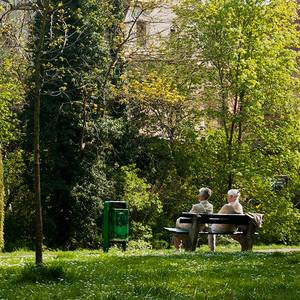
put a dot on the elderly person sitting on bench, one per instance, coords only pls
(232, 207)
(203, 207)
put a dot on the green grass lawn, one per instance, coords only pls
(154, 274)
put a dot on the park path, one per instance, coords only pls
(283, 250)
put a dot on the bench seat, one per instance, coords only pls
(186, 231)
(177, 230)
(225, 233)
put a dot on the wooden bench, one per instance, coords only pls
(244, 235)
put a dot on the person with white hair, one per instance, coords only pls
(232, 207)
(202, 207)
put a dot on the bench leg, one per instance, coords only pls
(246, 244)
(193, 234)
(246, 241)
(187, 244)
(212, 242)
(242, 241)
(177, 240)
(189, 241)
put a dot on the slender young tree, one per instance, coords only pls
(40, 27)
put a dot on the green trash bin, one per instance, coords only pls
(115, 224)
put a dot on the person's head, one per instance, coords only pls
(204, 194)
(233, 195)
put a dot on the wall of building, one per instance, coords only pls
(146, 27)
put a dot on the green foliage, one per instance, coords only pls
(11, 92)
(137, 193)
(19, 204)
(10, 96)
(141, 244)
(87, 202)
(144, 203)
(217, 109)
(156, 105)
(165, 121)
(246, 78)
(80, 64)
(281, 221)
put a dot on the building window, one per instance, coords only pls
(141, 33)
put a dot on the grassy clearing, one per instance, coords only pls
(151, 275)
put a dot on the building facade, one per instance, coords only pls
(147, 24)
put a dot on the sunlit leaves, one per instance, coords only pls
(10, 97)
(154, 87)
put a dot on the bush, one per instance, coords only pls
(139, 245)
(160, 244)
(144, 204)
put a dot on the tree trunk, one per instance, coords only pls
(1, 203)
(40, 31)
(37, 182)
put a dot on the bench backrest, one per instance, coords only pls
(217, 219)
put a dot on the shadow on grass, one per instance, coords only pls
(41, 273)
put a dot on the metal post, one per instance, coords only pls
(105, 227)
